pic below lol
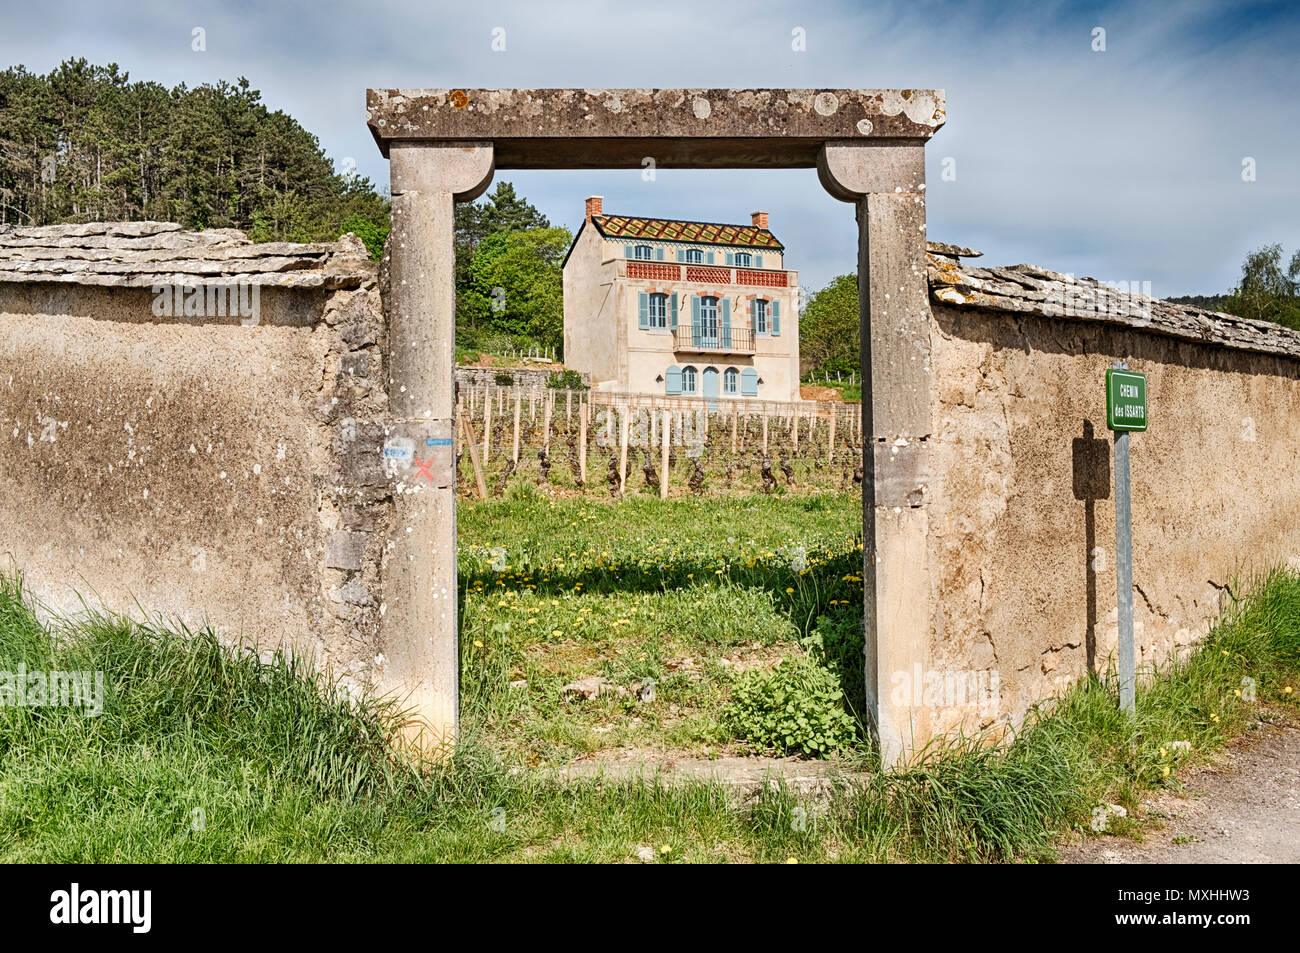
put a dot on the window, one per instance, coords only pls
(688, 380)
(743, 259)
(760, 316)
(749, 382)
(731, 381)
(694, 256)
(659, 312)
(644, 252)
(708, 310)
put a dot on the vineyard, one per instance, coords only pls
(585, 443)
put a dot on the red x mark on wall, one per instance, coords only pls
(422, 469)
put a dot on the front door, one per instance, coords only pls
(711, 387)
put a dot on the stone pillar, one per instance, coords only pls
(886, 181)
(420, 611)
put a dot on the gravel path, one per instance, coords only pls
(1244, 811)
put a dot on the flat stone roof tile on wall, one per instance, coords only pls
(1029, 289)
(143, 254)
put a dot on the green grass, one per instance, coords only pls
(849, 393)
(205, 753)
(686, 593)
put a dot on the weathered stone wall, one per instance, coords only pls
(199, 467)
(228, 467)
(523, 376)
(1022, 517)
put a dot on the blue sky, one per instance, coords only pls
(1123, 165)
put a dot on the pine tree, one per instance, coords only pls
(84, 143)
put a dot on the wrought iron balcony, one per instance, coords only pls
(713, 340)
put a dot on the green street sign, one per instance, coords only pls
(1126, 400)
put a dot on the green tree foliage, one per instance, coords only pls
(373, 234)
(1267, 291)
(502, 211)
(828, 327)
(503, 242)
(515, 283)
(1205, 302)
(84, 143)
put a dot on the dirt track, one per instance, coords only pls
(1245, 810)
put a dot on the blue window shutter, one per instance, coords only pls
(642, 310)
(629, 251)
(731, 259)
(749, 382)
(776, 319)
(758, 261)
(695, 320)
(659, 254)
(674, 380)
(726, 322)
(672, 311)
(681, 254)
(709, 258)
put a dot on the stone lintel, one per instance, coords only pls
(619, 128)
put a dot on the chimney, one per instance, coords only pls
(594, 203)
(760, 219)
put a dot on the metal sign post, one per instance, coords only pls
(1126, 411)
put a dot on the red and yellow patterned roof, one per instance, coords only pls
(695, 233)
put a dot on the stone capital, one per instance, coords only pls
(850, 169)
(464, 169)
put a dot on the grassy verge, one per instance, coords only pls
(202, 753)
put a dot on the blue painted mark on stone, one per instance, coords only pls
(437, 442)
